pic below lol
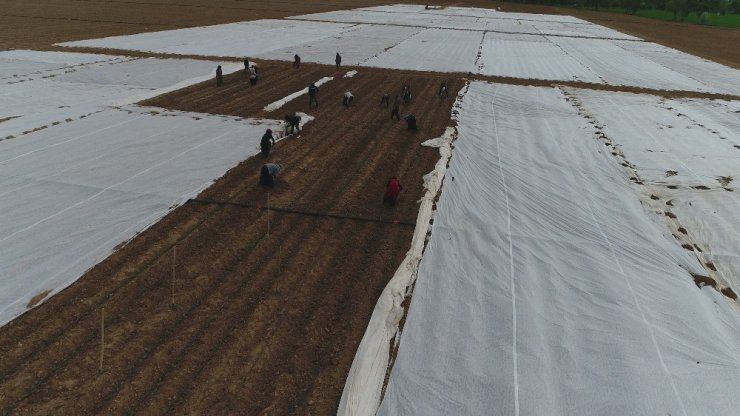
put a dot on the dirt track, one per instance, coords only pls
(259, 325)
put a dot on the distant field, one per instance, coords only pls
(38, 25)
(727, 20)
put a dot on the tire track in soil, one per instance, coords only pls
(145, 372)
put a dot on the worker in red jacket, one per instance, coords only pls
(391, 191)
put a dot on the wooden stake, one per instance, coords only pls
(102, 338)
(174, 260)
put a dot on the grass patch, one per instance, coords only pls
(714, 19)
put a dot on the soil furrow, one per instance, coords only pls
(196, 349)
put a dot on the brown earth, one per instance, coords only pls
(260, 324)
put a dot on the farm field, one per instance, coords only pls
(226, 307)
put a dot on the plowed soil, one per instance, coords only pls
(225, 307)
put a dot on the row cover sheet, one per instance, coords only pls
(44, 88)
(547, 288)
(479, 41)
(81, 171)
(71, 193)
(687, 154)
(468, 19)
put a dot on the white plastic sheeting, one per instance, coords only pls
(78, 177)
(76, 85)
(433, 50)
(233, 39)
(468, 19)
(449, 40)
(683, 150)
(356, 45)
(718, 77)
(71, 193)
(17, 65)
(618, 66)
(510, 56)
(547, 289)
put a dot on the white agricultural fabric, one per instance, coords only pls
(71, 193)
(92, 176)
(511, 56)
(233, 39)
(546, 288)
(716, 76)
(433, 50)
(618, 66)
(468, 19)
(686, 145)
(356, 45)
(478, 41)
(76, 85)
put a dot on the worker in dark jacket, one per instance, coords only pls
(396, 108)
(406, 94)
(293, 122)
(266, 143)
(443, 90)
(338, 59)
(392, 189)
(410, 121)
(296, 61)
(219, 76)
(386, 99)
(268, 174)
(313, 91)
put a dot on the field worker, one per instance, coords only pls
(219, 76)
(253, 75)
(338, 59)
(266, 143)
(293, 121)
(347, 99)
(246, 65)
(296, 61)
(313, 90)
(406, 94)
(396, 108)
(268, 173)
(411, 121)
(443, 90)
(385, 99)
(392, 189)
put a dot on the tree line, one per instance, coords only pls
(679, 8)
